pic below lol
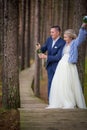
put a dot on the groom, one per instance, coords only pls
(54, 46)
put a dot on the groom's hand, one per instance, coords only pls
(42, 56)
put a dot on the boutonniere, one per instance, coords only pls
(55, 46)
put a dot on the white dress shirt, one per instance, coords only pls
(54, 41)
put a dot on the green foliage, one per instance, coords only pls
(2, 110)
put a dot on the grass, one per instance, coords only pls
(2, 110)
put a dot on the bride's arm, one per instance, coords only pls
(82, 34)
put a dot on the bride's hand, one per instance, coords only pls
(84, 25)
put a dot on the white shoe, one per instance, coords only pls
(68, 107)
(48, 107)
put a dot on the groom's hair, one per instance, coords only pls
(57, 28)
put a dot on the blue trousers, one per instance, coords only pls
(50, 77)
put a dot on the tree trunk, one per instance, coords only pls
(32, 24)
(22, 33)
(79, 12)
(1, 36)
(10, 87)
(27, 36)
(37, 61)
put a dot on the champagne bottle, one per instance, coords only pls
(39, 50)
(85, 19)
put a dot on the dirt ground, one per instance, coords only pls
(9, 120)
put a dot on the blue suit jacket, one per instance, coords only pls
(55, 53)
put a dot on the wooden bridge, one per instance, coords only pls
(34, 116)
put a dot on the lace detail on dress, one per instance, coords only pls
(66, 49)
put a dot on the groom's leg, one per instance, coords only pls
(50, 77)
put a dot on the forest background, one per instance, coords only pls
(24, 23)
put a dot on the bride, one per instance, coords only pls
(66, 90)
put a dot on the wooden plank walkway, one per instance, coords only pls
(34, 116)
(28, 100)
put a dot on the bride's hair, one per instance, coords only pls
(71, 33)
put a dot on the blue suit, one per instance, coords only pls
(54, 55)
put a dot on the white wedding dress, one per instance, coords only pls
(66, 91)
